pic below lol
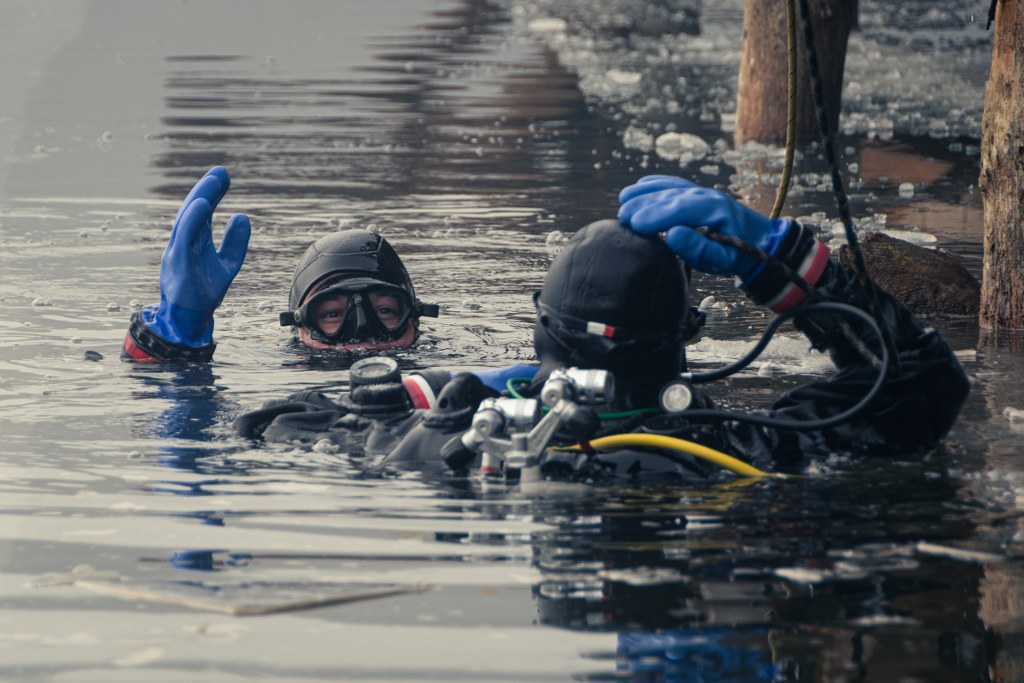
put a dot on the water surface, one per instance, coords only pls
(474, 137)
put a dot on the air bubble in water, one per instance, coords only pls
(547, 25)
(325, 446)
(623, 78)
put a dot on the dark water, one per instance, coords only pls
(474, 139)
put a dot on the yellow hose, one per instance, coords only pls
(671, 443)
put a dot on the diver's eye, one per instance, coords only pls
(388, 316)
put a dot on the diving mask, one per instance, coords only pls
(355, 310)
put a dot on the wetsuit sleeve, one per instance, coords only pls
(145, 346)
(915, 409)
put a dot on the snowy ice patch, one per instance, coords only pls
(682, 146)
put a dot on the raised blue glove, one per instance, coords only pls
(194, 277)
(677, 207)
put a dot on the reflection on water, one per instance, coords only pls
(464, 138)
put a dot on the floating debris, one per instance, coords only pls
(325, 446)
(1014, 415)
(638, 139)
(682, 146)
(642, 576)
(961, 554)
(555, 239)
(327, 594)
(623, 78)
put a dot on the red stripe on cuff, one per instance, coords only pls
(817, 266)
(419, 391)
(135, 352)
(810, 270)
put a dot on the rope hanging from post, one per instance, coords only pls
(787, 166)
(838, 190)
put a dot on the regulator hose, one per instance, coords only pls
(778, 423)
(673, 444)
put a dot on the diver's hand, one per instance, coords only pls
(194, 276)
(678, 207)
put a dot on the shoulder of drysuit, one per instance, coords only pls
(314, 406)
(310, 416)
(916, 408)
(143, 345)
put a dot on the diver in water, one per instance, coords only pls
(616, 299)
(350, 290)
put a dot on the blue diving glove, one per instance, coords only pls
(497, 378)
(194, 277)
(678, 207)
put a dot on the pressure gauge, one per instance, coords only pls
(376, 370)
(676, 397)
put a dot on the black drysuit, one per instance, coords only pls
(914, 411)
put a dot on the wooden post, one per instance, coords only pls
(761, 92)
(1002, 173)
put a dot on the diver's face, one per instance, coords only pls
(330, 312)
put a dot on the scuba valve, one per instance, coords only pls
(510, 434)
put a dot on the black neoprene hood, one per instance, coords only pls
(349, 253)
(633, 287)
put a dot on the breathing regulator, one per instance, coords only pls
(511, 434)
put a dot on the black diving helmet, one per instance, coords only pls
(615, 300)
(351, 287)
